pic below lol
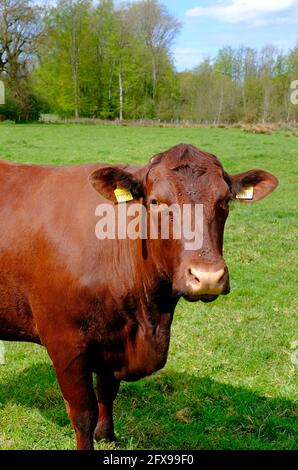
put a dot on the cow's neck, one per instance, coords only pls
(143, 306)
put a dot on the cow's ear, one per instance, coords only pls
(116, 185)
(253, 185)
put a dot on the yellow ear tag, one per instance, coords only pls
(247, 193)
(123, 195)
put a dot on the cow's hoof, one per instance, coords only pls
(108, 435)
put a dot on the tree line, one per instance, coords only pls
(84, 58)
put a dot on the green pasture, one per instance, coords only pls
(231, 379)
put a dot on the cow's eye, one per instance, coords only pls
(154, 202)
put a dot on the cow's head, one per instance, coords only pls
(185, 175)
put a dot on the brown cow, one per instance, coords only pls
(106, 306)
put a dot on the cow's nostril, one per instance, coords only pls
(193, 275)
(221, 278)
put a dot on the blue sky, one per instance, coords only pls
(212, 24)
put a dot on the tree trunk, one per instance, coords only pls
(110, 82)
(120, 95)
(220, 105)
(154, 79)
(266, 105)
(75, 66)
(244, 100)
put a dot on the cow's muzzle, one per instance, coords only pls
(206, 284)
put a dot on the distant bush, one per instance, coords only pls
(9, 111)
(32, 110)
(27, 109)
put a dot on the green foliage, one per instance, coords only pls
(240, 85)
(9, 110)
(26, 109)
(113, 60)
(19, 32)
(229, 382)
(88, 48)
(32, 109)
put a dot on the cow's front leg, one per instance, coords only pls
(107, 389)
(75, 381)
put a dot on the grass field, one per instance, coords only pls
(229, 382)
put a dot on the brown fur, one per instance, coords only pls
(103, 306)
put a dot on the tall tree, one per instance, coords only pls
(63, 50)
(268, 57)
(102, 59)
(122, 43)
(158, 28)
(19, 32)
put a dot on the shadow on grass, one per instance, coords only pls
(172, 410)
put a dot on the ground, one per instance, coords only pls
(231, 380)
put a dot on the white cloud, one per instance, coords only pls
(235, 11)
